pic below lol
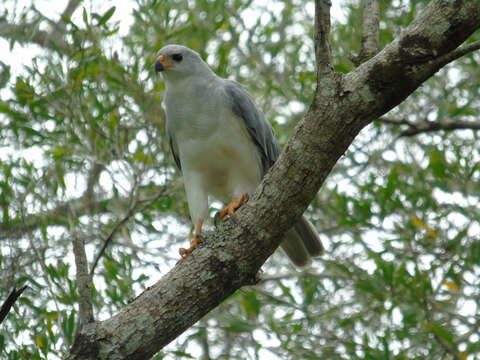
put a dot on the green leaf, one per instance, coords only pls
(25, 92)
(239, 326)
(251, 305)
(143, 158)
(437, 163)
(441, 332)
(85, 16)
(68, 325)
(182, 354)
(106, 16)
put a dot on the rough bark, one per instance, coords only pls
(231, 257)
(370, 31)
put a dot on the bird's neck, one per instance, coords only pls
(201, 73)
(192, 82)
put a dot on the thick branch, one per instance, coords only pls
(231, 257)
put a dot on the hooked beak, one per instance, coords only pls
(162, 64)
(159, 66)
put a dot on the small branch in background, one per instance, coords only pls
(449, 347)
(93, 177)
(11, 299)
(40, 257)
(133, 209)
(109, 239)
(23, 34)
(463, 50)
(322, 32)
(295, 275)
(415, 128)
(83, 280)
(79, 206)
(370, 31)
(70, 9)
(53, 39)
(203, 340)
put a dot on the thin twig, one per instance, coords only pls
(295, 275)
(203, 340)
(41, 260)
(11, 299)
(463, 50)
(109, 239)
(132, 211)
(431, 126)
(450, 349)
(70, 9)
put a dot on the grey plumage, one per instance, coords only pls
(221, 141)
(259, 129)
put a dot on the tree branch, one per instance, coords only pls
(463, 50)
(415, 128)
(132, 210)
(84, 282)
(80, 206)
(29, 32)
(322, 32)
(231, 257)
(8, 303)
(370, 31)
(70, 9)
(25, 33)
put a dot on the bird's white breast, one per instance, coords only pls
(214, 145)
(226, 159)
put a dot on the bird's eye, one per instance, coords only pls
(177, 57)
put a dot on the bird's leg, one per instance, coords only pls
(233, 206)
(197, 239)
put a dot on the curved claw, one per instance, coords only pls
(184, 253)
(233, 206)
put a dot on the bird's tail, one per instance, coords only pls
(302, 243)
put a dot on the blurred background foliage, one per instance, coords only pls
(83, 155)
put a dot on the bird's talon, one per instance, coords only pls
(198, 239)
(230, 209)
(184, 252)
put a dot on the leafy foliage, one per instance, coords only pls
(83, 154)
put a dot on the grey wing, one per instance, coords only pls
(173, 149)
(259, 129)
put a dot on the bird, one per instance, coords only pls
(222, 144)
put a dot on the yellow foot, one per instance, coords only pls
(184, 253)
(233, 206)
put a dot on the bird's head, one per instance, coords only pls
(179, 61)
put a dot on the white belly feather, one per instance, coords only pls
(225, 160)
